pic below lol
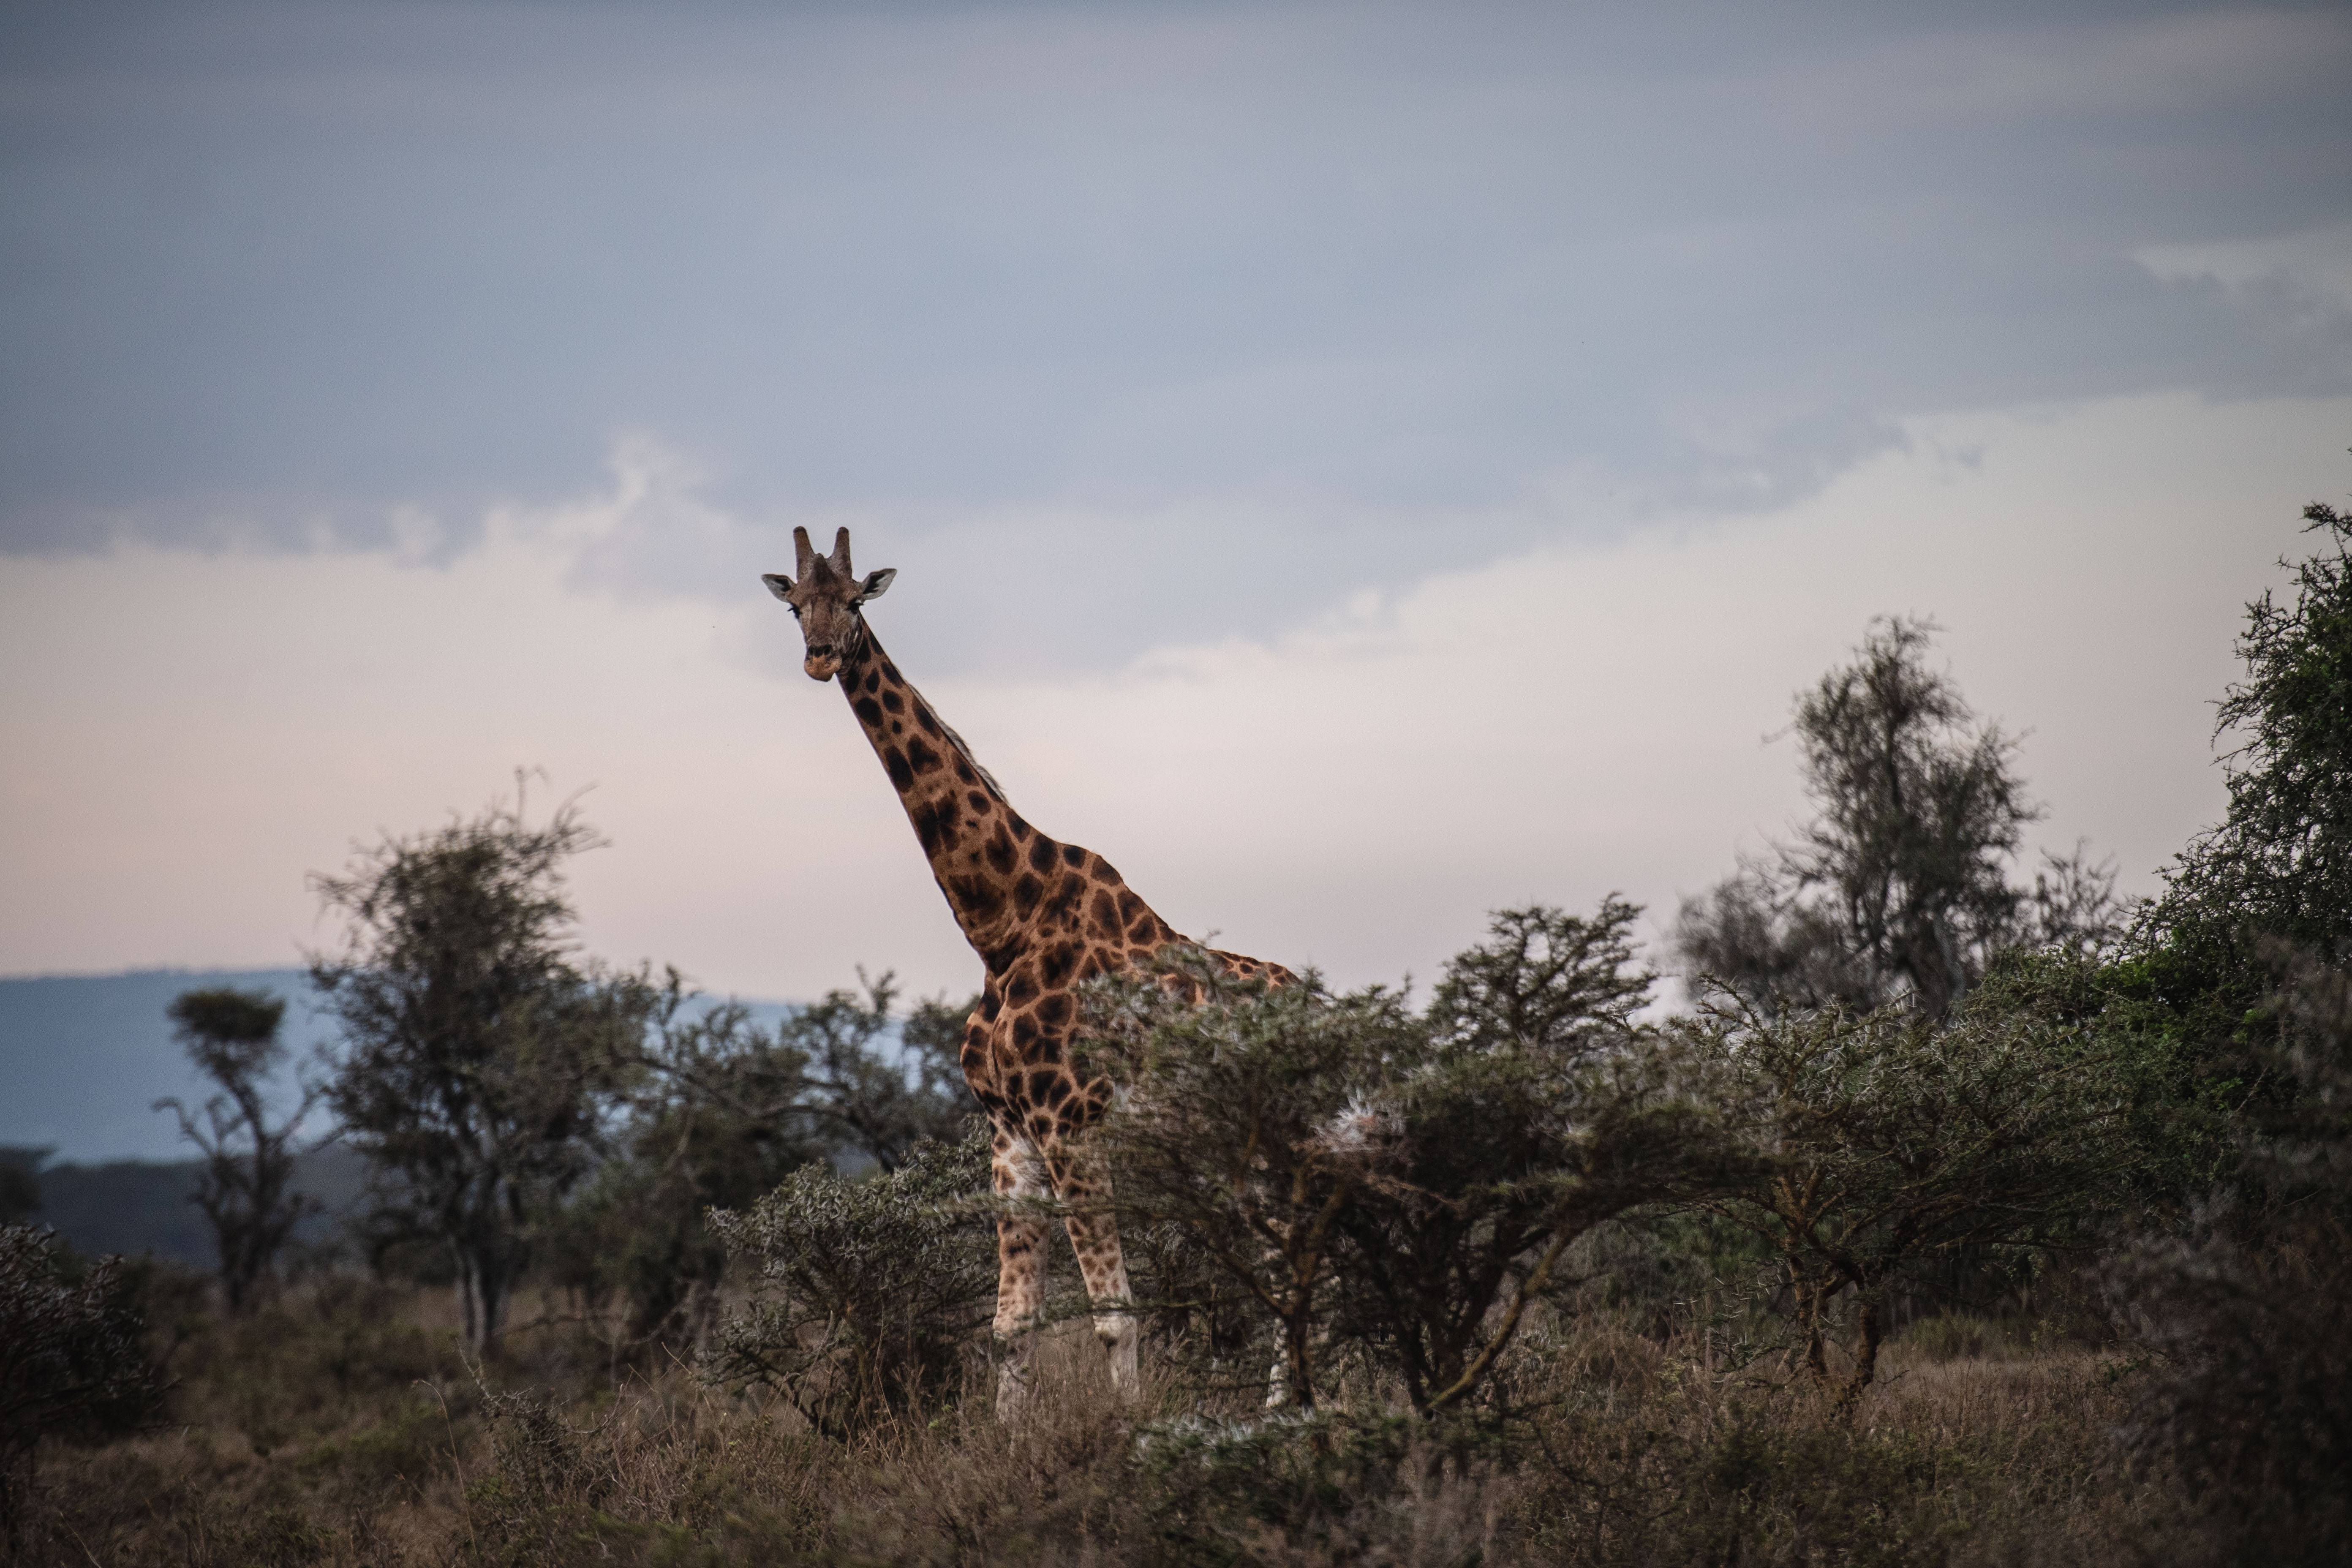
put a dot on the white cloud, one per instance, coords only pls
(188, 734)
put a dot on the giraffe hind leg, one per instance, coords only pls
(1018, 1172)
(1082, 1180)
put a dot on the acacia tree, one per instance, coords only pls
(480, 1055)
(717, 1119)
(1900, 887)
(1888, 1143)
(246, 1187)
(848, 1081)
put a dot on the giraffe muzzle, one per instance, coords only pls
(821, 664)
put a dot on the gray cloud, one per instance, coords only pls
(1336, 288)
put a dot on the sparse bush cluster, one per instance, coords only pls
(716, 1112)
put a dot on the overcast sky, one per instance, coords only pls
(395, 393)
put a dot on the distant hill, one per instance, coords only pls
(83, 1059)
(137, 1206)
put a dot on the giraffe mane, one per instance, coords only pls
(965, 747)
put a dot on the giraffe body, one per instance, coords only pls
(1044, 917)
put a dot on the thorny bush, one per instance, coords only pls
(872, 1290)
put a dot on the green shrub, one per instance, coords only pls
(1892, 1142)
(1399, 1187)
(725, 1109)
(874, 1290)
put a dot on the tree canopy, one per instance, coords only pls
(480, 1053)
(2279, 864)
(246, 1189)
(1901, 884)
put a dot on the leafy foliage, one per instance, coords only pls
(883, 1103)
(1890, 1142)
(1401, 1183)
(722, 1111)
(1250, 1120)
(1546, 981)
(1900, 887)
(871, 1291)
(1533, 1109)
(717, 1120)
(2279, 865)
(479, 1056)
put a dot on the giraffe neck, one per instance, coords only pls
(977, 844)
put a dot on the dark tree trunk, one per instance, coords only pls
(1865, 1356)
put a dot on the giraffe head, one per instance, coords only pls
(826, 600)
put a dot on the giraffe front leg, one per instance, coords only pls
(1018, 1172)
(1083, 1183)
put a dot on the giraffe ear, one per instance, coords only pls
(778, 584)
(877, 584)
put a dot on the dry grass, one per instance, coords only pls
(342, 1427)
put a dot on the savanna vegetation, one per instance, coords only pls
(1950, 1212)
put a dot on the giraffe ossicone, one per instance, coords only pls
(1044, 917)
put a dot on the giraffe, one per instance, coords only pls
(1044, 917)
